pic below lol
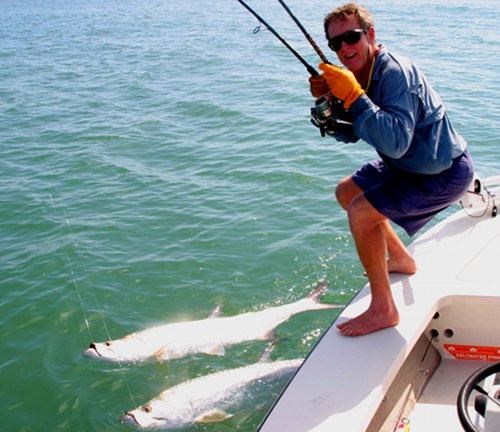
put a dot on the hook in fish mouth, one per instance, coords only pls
(92, 351)
(128, 418)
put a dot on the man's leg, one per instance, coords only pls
(366, 225)
(346, 191)
(399, 260)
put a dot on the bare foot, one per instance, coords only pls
(405, 266)
(370, 321)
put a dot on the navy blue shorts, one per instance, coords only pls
(411, 200)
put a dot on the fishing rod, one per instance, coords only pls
(328, 111)
(309, 68)
(306, 34)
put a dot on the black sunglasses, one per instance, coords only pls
(350, 37)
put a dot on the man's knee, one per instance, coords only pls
(361, 213)
(346, 191)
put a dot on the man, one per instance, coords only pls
(424, 165)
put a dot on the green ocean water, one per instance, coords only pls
(157, 160)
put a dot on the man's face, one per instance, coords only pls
(353, 57)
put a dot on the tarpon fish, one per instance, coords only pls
(210, 335)
(206, 399)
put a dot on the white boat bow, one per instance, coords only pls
(449, 329)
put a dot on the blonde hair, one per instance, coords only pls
(347, 12)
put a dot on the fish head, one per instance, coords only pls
(110, 350)
(145, 417)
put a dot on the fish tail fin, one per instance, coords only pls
(317, 292)
(216, 313)
(266, 355)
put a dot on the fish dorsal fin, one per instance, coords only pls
(317, 292)
(216, 313)
(213, 417)
(217, 350)
(271, 335)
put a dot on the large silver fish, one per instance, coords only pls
(209, 335)
(206, 399)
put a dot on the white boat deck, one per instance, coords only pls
(343, 381)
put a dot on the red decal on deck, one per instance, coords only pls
(471, 352)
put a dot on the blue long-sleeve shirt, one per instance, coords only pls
(403, 118)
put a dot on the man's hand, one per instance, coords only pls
(319, 86)
(342, 83)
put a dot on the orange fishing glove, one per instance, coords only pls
(342, 83)
(319, 86)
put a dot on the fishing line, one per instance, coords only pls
(70, 264)
(100, 311)
(62, 236)
(75, 284)
(92, 291)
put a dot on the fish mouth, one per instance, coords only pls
(128, 418)
(92, 351)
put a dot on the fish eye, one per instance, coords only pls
(146, 408)
(108, 343)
